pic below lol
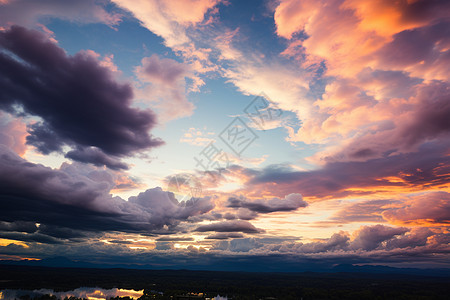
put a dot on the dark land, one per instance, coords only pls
(235, 285)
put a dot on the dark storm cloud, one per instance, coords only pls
(70, 205)
(230, 226)
(28, 227)
(80, 103)
(96, 157)
(30, 237)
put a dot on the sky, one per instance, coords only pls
(209, 133)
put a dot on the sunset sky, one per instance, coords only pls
(222, 134)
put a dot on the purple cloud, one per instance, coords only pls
(230, 226)
(290, 203)
(80, 103)
(69, 203)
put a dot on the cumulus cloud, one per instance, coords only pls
(76, 200)
(338, 241)
(370, 237)
(79, 102)
(392, 245)
(416, 237)
(238, 245)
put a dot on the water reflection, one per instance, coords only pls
(83, 292)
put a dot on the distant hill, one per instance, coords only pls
(64, 262)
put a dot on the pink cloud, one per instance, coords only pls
(165, 85)
(425, 169)
(393, 126)
(333, 28)
(388, 61)
(371, 237)
(430, 209)
(13, 133)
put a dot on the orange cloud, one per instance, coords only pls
(347, 33)
(430, 209)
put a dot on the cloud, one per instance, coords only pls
(163, 71)
(238, 245)
(338, 241)
(362, 211)
(285, 85)
(197, 137)
(96, 157)
(429, 209)
(229, 226)
(429, 248)
(416, 237)
(224, 236)
(79, 102)
(399, 127)
(174, 239)
(370, 237)
(30, 237)
(78, 200)
(165, 85)
(164, 246)
(164, 208)
(13, 133)
(423, 51)
(169, 19)
(21, 226)
(425, 168)
(27, 13)
(397, 72)
(290, 203)
(330, 29)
